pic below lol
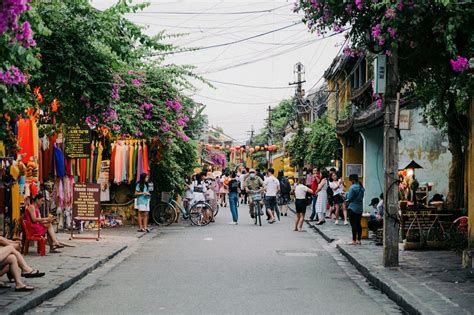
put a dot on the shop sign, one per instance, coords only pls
(354, 169)
(86, 202)
(404, 120)
(78, 142)
(380, 73)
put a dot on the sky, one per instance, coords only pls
(265, 62)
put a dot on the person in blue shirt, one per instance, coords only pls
(354, 198)
(143, 195)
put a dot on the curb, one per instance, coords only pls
(380, 284)
(22, 307)
(376, 281)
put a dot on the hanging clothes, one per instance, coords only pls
(130, 163)
(25, 139)
(15, 189)
(139, 163)
(146, 167)
(94, 164)
(100, 150)
(112, 164)
(59, 162)
(118, 162)
(91, 168)
(83, 176)
(124, 163)
(48, 157)
(35, 135)
(135, 160)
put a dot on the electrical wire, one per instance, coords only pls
(213, 13)
(251, 86)
(238, 103)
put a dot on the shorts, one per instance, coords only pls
(270, 202)
(300, 205)
(338, 200)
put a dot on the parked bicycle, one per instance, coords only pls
(167, 210)
(201, 213)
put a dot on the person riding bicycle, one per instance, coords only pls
(253, 183)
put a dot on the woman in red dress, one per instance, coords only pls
(41, 225)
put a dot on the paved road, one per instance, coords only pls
(225, 269)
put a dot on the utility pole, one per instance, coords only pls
(251, 131)
(299, 71)
(391, 223)
(269, 136)
(337, 102)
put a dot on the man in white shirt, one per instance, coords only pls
(272, 187)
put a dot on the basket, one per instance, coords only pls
(256, 196)
(165, 196)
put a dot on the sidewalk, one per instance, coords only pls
(426, 282)
(66, 268)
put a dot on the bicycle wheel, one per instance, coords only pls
(216, 209)
(258, 215)
(163, 213)
(200, 214)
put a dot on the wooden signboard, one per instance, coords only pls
(78, 142)
(86, 205)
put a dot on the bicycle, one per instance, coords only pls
(200, 213)
(281, 201)
(166, 211)
(256, 199)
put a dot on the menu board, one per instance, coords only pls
(86, 201)
(78, 142)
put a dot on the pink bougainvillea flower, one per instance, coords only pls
(379, 103)
(116, 127)
(359, 4)
(392, 31)
(390, 14)
(377, 30)
(13, 76)
(136, 82)
(459, 64)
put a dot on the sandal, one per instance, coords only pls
(26, 288)
(4, 285)
(35, 273)
(55, 250)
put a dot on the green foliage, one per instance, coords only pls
(298, 147)
(323, 143)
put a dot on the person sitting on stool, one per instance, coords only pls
(376, 215)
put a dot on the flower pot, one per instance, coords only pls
(409, 245)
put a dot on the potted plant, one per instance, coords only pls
(413, 240)
(435, 239)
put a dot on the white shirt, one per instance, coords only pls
(300, 191)
(336, 187)
(272, 185)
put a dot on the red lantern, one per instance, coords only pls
(231, 149)
(227, 146)
(251, 150)
(208, 146)
(257, 147)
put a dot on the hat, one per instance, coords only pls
(374, 202)
(252, 170)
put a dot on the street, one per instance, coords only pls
(227, 269)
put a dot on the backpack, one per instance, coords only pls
(285, 186)
(329, 190)
(234, 185)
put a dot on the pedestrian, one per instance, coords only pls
(337, 187)
(314, 188)
(322, 197)
(272, 187)
(224, 189)
(300, 194)
(355, 196)
(285, 190)
(210, 194)
(143, 195)
(376, 214)
(243, 193)
(234, 189)
(188, 194)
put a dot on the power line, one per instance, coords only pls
(238, 103)
(252, 86)
(212, 13)
(232, 42)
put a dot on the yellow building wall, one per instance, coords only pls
(344, 94)
(351, 155)
(277, 164)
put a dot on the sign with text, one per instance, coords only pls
(86, 202)
(78, 142)
(380, 73)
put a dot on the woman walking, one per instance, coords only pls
(337, 187)
(234, 188)
(143, 195)
(355, 197)
(224, 189)
(322, 198)
(300, 203)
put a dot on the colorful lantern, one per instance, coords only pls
(257, 147)
(251, 150)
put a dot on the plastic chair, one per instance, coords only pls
(462, 224)
(29, 235)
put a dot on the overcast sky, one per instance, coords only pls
(263, 61)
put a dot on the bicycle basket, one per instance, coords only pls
(256, 196)
(165, 196)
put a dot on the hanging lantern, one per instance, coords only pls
(251, 150)
(227, 146)
(266, 147)
(208, 146)
(257, 147)
(231, 149)
(247, 147)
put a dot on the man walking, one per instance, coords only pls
(272, 187)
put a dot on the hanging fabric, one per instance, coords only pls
(25, 139)
(146, 167)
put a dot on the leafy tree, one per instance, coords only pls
(322, 143)
(298, 147)
(430, 41)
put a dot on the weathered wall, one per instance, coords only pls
(373, 163)
(429, 148)
(469, 181)
(351, 155)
